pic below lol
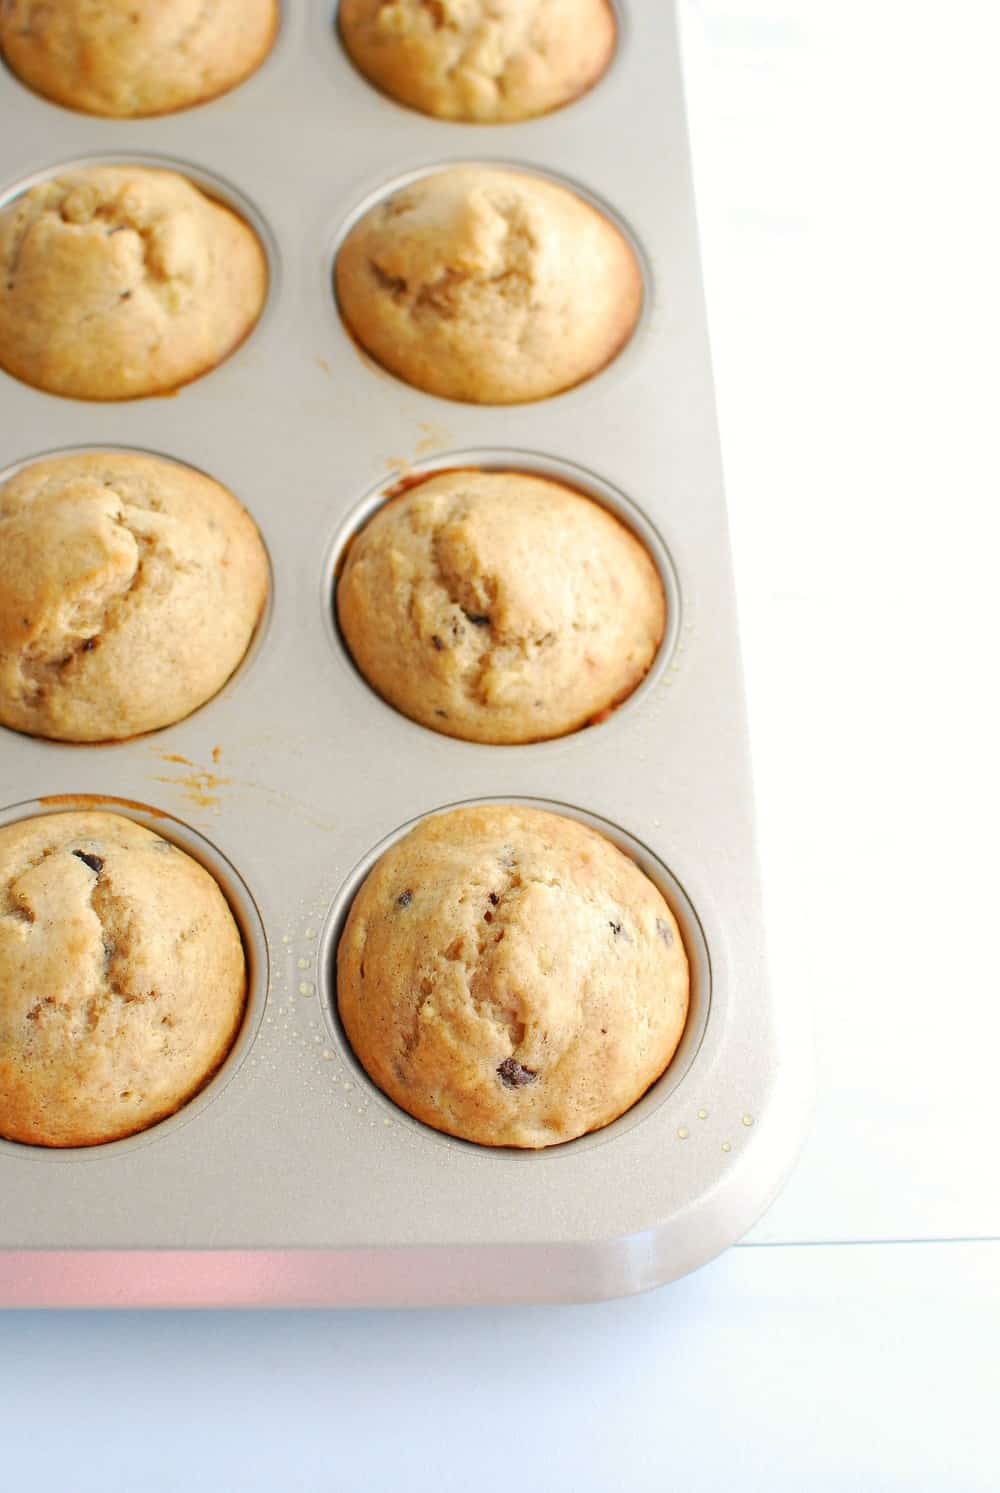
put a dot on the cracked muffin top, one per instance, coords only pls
(120, 281)
(508, 976)
(500, 607)
(481, 61)
(129, 58)
(122, 979)
(129, 591)
(488, 286)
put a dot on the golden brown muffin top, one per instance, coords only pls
(507, 975)
(123, 281)
(499, 606)
(482, 61)
(489, 286)
(129, 591)
(129, 58)
(122, 978)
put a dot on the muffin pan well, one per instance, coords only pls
(567, 181)
(700, 994)
(254, 942)
(531, 464)
(211, 187)
(288, 1180)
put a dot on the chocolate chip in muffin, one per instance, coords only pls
(93, 861)
(513, 1076)
(404, 899)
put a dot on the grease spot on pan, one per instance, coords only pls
(100, 801)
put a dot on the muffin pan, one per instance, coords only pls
(290, 1179)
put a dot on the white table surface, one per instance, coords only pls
(845, 159)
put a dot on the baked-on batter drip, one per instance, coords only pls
(507, 975)
(122, 281)
(488, 286)
(129, 58)
(482, 61)
(500, 607)
(122, 979)
(129, 591)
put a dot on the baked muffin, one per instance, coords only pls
(508, 976)
(130, 589)
(487, 285)
(482, 61)
(123, 281)
(122, 979)
(500, 607)
(133, 57)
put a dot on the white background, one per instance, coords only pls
(846, 161)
